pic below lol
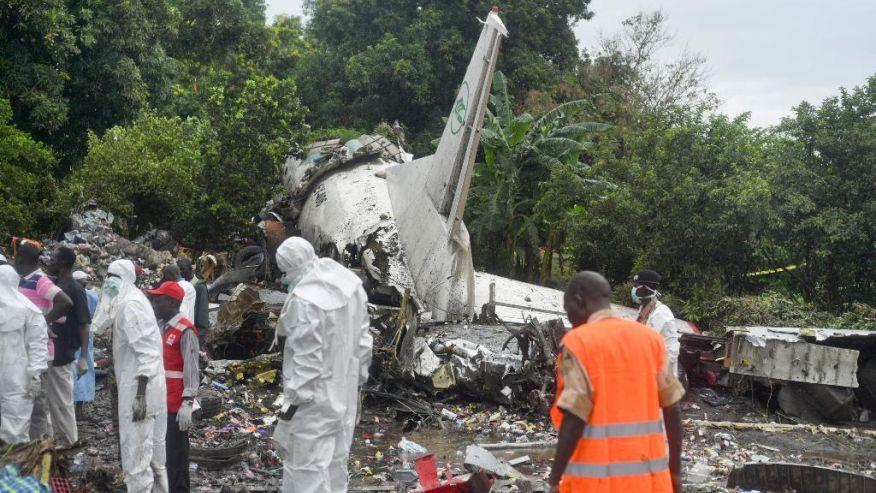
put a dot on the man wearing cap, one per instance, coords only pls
(172, 273)
(180, 348)
(655, 314)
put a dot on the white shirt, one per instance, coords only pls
(187, 307)
(662, 320)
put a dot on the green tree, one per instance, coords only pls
(402, 60)
(74, 66)
(217, 32)
(255, 123)
(822, 177)
(37, 39)
(145, 173)
(27, 189)
(691, 201)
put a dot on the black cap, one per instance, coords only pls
(647, 277)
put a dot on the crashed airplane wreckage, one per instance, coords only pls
(398, 223)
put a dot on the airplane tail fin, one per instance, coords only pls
(451, 165)
(429, 195)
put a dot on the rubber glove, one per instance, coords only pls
(282, 438)
(83, 366)
(140, 400)
(35, 386)
(184, 416)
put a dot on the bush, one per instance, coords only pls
(143, 173)
(255, 123)
(27, 188)
(773, 309)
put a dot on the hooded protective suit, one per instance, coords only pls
(325, 360)
(136, 352)
(22, 331)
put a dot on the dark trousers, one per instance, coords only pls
(177, 456)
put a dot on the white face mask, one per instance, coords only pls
(641, 300)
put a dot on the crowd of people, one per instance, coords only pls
(616, 407)
(47, 361)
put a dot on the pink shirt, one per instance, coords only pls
(41, 291)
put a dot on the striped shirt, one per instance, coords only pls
(39, 289)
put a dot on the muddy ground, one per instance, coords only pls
(246, 415)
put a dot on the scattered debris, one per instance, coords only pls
(780, 427)
(242, 328)
(480, 459)
(523, 459)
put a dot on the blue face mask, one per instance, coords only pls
(111, 286)
(287, 283)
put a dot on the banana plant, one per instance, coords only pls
(520, 153)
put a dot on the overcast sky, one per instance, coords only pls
(764, 56)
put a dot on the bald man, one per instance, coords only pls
(615, 392)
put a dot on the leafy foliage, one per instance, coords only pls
(74, 66)
(378, 60)
(143, 171)
(823, 174)
(255, 122)
(774, 309)
(193, 105)
(27, 188)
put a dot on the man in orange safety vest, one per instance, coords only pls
(616, 401)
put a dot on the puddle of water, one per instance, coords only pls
(448, 446)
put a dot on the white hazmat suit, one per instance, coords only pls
(136, 352)
(325, 360)
(24, 356)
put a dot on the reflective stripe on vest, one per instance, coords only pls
(173, 374)
(623, 429)
(585, 470)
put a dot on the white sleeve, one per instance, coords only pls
(140, 330)
(366, 343)
(665, 323)
(304, 344)
(36, 337)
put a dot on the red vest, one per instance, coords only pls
(173, 362)
(623, 448)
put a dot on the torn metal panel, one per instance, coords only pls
(426, 363)
(348, 217)
(779, 358)
(758, 335)
(479, 459)
(301, 175)
(242, 329)
(798, 477)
